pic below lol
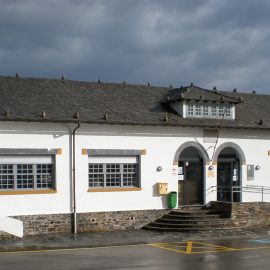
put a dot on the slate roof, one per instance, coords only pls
(25, 99)
(197, 94)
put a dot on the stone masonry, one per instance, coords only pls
(246, 215)
(87, 222)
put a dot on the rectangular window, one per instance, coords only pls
(113, 172)
(209, 111)
(228, 113)
(17, 174)
(214, 111)
(221, 111)
(205, 111)
(190, 110)
(198, 110)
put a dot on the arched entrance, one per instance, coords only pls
(191, 159)
(229, 158)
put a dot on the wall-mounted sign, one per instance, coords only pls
(180, 177)
(250, 172)
(180, 170)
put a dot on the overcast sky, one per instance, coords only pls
(225, 43)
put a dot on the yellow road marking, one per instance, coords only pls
(191, 247)
(68, 249)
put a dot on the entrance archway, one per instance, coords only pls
(229, 157)
(191, 159)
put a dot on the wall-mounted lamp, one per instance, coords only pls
(159, 168)
(257, 167)
(211, 168)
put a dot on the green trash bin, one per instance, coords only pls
(172, 199)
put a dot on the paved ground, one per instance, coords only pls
(119, 238)
(229, 253)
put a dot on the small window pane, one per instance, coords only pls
(228, 113)
(221, 111)
(205, 111)
(214, 111)
(130, 175)
(190, 110)
(25, 177)
(45, 176)
(6, 176)
(198, 110)
(96, 176)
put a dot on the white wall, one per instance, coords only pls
(161, 143)
(48, 136)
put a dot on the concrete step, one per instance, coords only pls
(193, 221)
(189, 229)
(202, 212)
(181, 217)
(190, 225)
(189, 219)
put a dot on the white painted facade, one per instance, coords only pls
(161, 144)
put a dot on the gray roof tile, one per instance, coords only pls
(27, 98)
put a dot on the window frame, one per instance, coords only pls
(209, 111)
(33, 181)
(35, 164)
(123, 157)
(107, 174)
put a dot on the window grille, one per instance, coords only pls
(208, 111)
(221, 111)
(198, 110)
(214, 111)
(26, 176)
(190, 110)
(205, 110)
(110, 175)
(228, 113)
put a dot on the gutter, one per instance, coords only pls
(74, 210)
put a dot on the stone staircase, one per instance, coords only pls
(192, 219)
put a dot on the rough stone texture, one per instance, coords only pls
(251, 214)
(224, 207)
(46, 224)
(246, 215)
(86, 222)
(119, 220)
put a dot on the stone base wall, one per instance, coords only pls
(86, 222)
(246, 215)
(46, 224)
(224, 207)
(251, 214)
(119, 220)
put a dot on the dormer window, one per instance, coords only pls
(208, 111)
(196, 102)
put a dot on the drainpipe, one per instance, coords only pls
(74, 178)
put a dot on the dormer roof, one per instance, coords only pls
(197, 94)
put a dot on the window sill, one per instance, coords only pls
(113, 189)
(21, 192)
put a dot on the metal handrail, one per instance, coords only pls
(237, 189)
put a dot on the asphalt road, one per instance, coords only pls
(238, 254)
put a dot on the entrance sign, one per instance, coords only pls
(250, 172)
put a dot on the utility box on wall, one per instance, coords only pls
(162, 188)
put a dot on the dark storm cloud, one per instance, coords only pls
(223, 43)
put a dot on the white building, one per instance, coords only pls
(93, 154)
